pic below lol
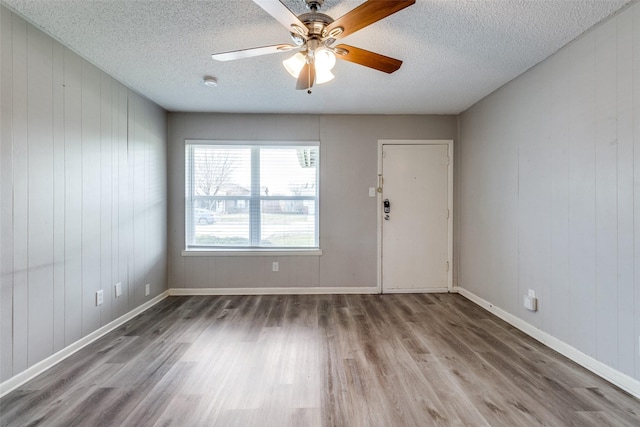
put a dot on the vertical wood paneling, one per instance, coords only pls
(20, 196)
(40, 194)
(90, 196)
(594, 122)
(58, 197)
(606, 197)
(547, 146)
(73, 196)
(136, 288)
(500, 187)
(532, 188)
(626, 340)
(157, 229)
(115, 198)
(66, 217)
(106, 167)
(636, 177)
(146, 216)
(582, 195)
(560, 295)
(6, 195)
(124, 217)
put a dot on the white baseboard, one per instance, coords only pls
(417, 291)
(271, 291)
(35, 370)
(625, 382)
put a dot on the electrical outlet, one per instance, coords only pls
(99, 297)
(275, 266)
(530, 303)
(118, 288)
(147, 289)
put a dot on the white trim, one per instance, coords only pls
(35, 370)
(252, 252)
(417, 291)
(449, 144)
(272, 291)
(625, 382)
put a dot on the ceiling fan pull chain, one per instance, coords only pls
(312, 64)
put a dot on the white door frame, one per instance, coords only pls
(449, 144)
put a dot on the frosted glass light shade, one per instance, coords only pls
(325, 60)
(323, 76)
(294, 64)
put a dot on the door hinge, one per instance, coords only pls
(447, 265)
(448, 161)
(448, 213)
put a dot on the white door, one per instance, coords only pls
(416, 230)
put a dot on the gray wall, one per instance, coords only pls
(348, 167)
(548, 194)
(82, 196)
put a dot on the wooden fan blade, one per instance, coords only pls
(282, 14)
(307, 77)
(366, 14)
(368, 59)
(255, 51)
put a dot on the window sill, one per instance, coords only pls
(251, 252)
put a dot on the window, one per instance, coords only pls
(241, 196)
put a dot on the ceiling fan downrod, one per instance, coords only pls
(314, 5)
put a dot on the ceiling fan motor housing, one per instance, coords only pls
(315, 22)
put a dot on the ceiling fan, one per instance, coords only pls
(314, 34)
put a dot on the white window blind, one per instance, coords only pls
(251, 195)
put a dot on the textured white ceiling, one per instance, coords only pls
(455, 52)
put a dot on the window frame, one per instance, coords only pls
(255, 199)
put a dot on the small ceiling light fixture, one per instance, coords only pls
(210, 81)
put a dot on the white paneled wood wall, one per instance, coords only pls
(549, 194)
(82, 192)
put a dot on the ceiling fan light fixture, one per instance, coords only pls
(323, 76)
(314, 34)
(325, 60)
(294, 64)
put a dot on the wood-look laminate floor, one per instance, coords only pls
(317, 360)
